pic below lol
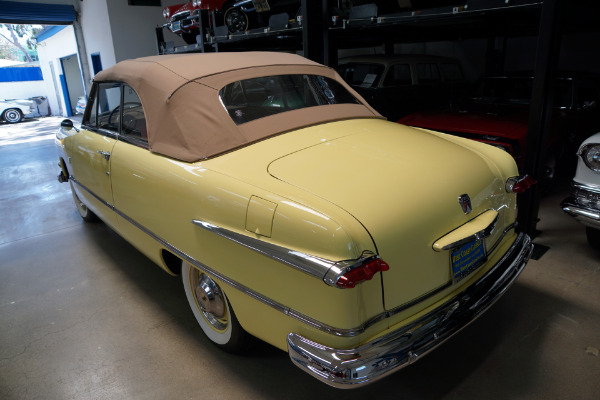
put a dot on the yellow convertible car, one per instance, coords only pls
(293, 211)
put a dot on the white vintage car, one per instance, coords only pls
(584, 202)
(13, 111)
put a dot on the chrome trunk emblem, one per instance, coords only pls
(465, 203)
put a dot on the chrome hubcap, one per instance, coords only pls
(11, 116)
(210, 300)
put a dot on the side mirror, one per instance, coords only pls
(67, 124)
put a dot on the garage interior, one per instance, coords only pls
(85, 315)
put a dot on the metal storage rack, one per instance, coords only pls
(319, 36)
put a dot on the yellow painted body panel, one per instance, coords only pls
(259, 217)
(404, 199)
(191, 191)
(396, 212)
(92, 170)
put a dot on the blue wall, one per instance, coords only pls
(20, 74)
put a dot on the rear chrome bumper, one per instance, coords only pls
(351, 368)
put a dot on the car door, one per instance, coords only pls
(142, 213)
(92, 148)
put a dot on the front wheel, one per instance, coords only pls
(86, 214)
(12, 115)
(212, 310)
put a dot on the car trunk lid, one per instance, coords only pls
(404, 186)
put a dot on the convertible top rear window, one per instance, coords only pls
(251, 99)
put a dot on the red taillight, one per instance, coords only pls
(519, 184)
(363, 272)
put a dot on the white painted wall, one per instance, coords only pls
(95, 24)
(22, 90)
(52, 50)
(133, 29)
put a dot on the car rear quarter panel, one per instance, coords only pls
(164, 196)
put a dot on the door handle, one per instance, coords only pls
(104, 154)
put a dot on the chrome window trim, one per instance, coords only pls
(351, 332)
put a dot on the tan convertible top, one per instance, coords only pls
(186, 119)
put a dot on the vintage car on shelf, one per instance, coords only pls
(402, 84)
(584, 202)
(183, 19)
(496, 111)
(237, 16)
(13, 111)
(293, 211)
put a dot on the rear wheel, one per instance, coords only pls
(86, 214)
(12, 115)
(593, 237)
(212, 310)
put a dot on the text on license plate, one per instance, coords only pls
(176, 25)
(467, 259)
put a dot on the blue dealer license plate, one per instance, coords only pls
(176, 26)
(467, 259)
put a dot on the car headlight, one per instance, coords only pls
(590, 154)
(197, 3)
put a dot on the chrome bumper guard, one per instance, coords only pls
(583, 204)
(586, 216)
(352, 368)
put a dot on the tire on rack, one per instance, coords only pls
(86, 214)
(12, 115)
(236, 20)
(213, 311)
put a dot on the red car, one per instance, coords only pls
(238, 16)
(182, 19)
(497, 112)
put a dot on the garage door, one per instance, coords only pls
(36, 13)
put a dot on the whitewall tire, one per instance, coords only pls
(86, 214)
(12, 115)
(212, 310)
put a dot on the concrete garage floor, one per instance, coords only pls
(83, 315)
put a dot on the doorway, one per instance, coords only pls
(72, 83)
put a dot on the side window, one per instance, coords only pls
(397, 75)
(133, 120)
(428, 73)
(109, 100)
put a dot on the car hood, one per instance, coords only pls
(403, 186)
(502, 124)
